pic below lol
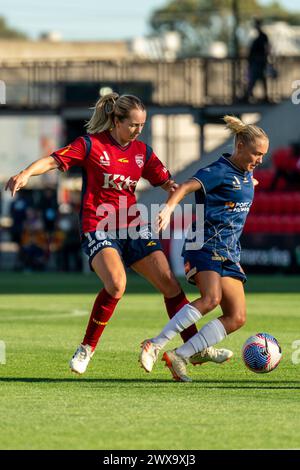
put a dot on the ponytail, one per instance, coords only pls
(246, 133)
(110, 106)
(102, 118)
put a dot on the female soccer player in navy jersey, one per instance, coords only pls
(226, 189)
(113, 161)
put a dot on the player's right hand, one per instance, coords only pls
(15, 183)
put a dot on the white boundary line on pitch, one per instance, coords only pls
(39, 316)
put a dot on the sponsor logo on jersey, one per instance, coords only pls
(123, 160)
(139, 160)
(230, 205)
(236, 183)
(151, 244)
(104, 159)
(119, 182)
(238, 206)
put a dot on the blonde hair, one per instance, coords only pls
(110, 106)
(246, 133)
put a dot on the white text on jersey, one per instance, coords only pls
(118, 182)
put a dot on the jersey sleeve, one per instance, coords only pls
(210, 177)
(154, 171)
(71, 155)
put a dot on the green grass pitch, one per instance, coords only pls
(116, 405)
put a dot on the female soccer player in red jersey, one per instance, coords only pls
(113, 161)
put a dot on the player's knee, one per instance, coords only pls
(116, 286)
(239, 320)
(211, 302)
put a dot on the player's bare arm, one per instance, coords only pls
(43, 165)
(175, 197)
(170, 186)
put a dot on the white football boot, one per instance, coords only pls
(211, 354)
(148, 354)
(81, 358)
(177, 366)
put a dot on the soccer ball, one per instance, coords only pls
(261, 353)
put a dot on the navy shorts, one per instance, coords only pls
(130, 250)
(206, 260)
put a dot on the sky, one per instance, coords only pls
(93, 20)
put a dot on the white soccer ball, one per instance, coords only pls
(261, 353)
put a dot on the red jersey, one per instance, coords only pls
(110, 171)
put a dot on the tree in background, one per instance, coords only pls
(200, 22)
(9, 33)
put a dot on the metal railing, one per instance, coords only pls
(197, 82)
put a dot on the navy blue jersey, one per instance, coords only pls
(227, 195)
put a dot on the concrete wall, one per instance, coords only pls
(13, 50)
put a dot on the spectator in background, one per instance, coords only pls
(49, 209)
(69, 254)
(18, 210)
(18, 215)
(258, 61)
(33, 243)
(286, 161)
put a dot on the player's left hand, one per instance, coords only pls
(163, 218)
(255, 181)
(170, 186)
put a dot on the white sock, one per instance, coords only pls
(187, 316)
(211, 333)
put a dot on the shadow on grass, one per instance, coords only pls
(77, 283)
(206, 383)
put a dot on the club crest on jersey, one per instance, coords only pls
(104, 159)
(139, 160)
